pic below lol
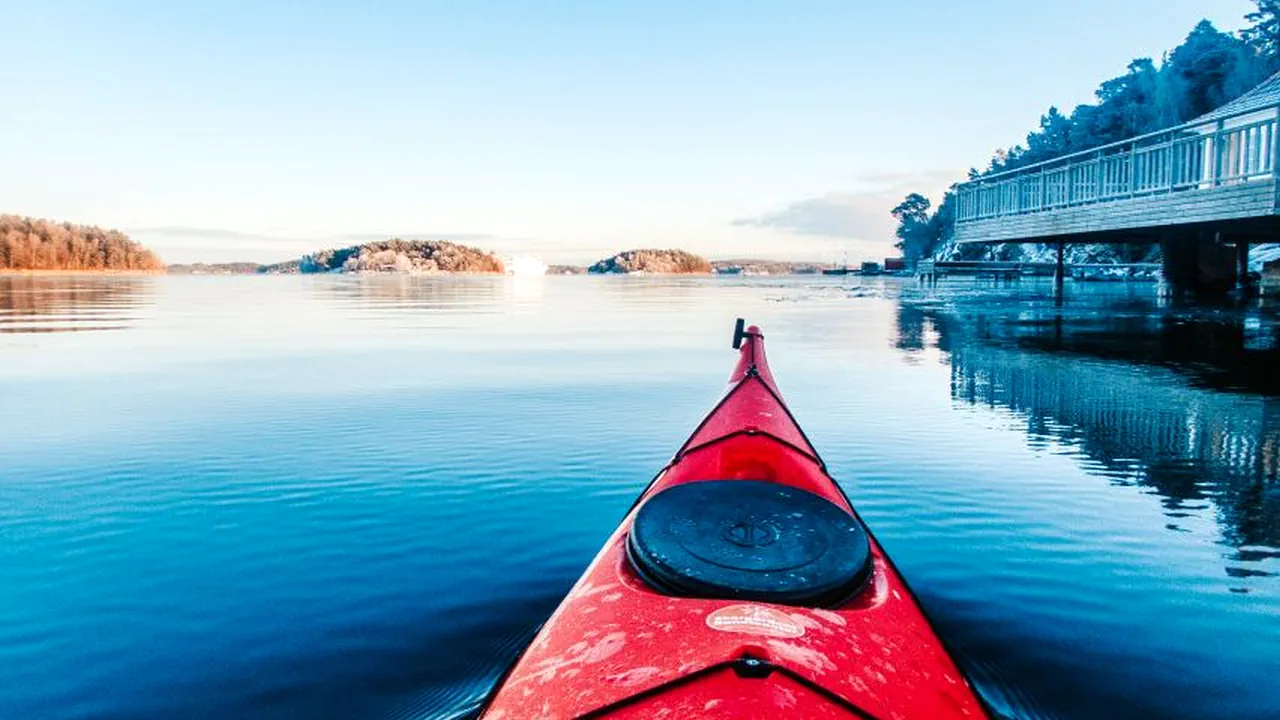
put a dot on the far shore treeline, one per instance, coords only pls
(38, 245)
(33, 245)
(1209, 69)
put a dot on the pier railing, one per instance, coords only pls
(1196, 156)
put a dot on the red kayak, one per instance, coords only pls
(741, 585)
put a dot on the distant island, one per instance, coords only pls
(653, 262)
(36, 245)
(233, 268)
(408, 257)
(418, 257)
(766, 267)
(756, 266)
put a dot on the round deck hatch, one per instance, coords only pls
(749, 540)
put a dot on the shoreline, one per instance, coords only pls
(43, 273)
(146, 273)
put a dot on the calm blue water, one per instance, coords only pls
(333, 497)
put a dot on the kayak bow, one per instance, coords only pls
(741, 584)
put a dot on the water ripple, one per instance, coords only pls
(359, 497)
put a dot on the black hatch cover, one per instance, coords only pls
(749, 540)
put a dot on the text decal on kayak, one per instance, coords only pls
(755, 620)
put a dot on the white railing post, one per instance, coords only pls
(1217, 154)
(1069, 185)
(1102, 179)
(1254, 159)
(1275, 146)
(1133, 169)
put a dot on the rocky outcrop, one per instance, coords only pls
(416, 257)
(653, 262)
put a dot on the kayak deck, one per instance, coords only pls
(618, 648)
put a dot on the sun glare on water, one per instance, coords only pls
(525, 265)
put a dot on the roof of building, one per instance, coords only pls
(1265, 95)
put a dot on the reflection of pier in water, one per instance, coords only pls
(1139, 393)
(54, 304)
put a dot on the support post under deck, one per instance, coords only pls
(1242, 265)
(1059, 273)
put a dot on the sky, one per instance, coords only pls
(566, 130)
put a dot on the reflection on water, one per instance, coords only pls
(409, 293)
(1177, 403)
(334, 496)
(50, 304)
(1205, 435)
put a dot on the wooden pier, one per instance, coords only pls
(1210, 182)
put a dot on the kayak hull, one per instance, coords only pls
(618, 648)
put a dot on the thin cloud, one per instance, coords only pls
(860, 215)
